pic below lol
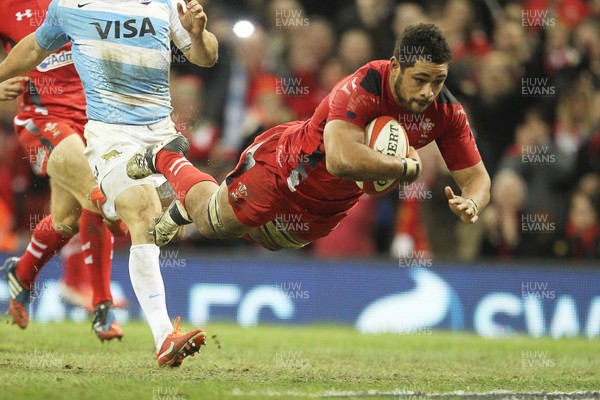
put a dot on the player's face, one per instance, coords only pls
(416, 87)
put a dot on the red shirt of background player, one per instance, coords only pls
(54, 88)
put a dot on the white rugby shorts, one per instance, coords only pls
(110, 146)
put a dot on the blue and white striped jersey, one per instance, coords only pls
(121, 49)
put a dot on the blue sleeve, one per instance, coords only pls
(51, 35)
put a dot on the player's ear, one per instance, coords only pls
(394, 67)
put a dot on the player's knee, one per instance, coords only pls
(210, 222)
(141, 228)
(142, 217)
(139, 203)
(272, 236)
(216, 231)
(138, 208)
(270, 246)
(208, 232)
(267, 243)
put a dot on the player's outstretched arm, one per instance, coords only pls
(474, 183)
(25, 56)
(347, 156)
(205, 48)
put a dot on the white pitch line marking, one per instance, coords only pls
(417, 395)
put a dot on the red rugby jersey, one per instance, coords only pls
(359, 98)
(54, 87)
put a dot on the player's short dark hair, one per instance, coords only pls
(422, 42)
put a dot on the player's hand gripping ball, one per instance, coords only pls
(384, 135)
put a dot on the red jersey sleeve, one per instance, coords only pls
(356, 98)
(457, 143)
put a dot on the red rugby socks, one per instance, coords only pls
(180, 173)
(97, 246)
(75, 275)
(45, 242)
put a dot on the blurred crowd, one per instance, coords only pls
(527, 73)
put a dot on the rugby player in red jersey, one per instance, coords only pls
(49, 126)
(305, 171)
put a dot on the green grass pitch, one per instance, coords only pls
(66, 361)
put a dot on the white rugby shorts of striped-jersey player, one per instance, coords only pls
(121, 49)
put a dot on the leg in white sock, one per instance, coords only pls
(147, 282)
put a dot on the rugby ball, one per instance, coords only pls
(384, 135)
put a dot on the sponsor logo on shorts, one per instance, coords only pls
(110, 155)
(52, 128)
(56, 60)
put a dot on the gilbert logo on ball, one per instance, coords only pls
(384, 135)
